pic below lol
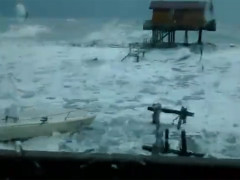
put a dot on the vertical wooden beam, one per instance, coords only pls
(200, 37)
(174, 37)
(161, 40)
(169, 37)
(162, 34)
(156, 34)
(170, 34)
(186, 38)
(153, 36)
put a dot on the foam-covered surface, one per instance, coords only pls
(53, 73)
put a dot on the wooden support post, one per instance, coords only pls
(162, 36)
(174, 37)
(186, 38)
(161, 40)
(200, 37)
(137, 58)
(169, 37)
(154, 36)
(170, 34)
(159, 36)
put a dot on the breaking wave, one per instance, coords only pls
(25, 31)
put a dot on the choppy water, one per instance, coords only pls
(40, 67)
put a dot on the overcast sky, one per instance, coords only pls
(79, 8)
(226, 10)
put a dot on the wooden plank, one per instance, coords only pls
(209, 26)
(162, 17)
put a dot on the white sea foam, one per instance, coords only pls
(25, 31)
(118, 92)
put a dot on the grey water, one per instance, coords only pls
(71, 21)
(92, 15)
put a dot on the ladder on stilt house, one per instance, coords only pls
(159, 36)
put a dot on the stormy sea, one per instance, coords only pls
(68, 63)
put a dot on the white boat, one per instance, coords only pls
(55, 123)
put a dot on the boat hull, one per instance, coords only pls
(29, 130)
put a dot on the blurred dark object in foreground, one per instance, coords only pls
(59, 165)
